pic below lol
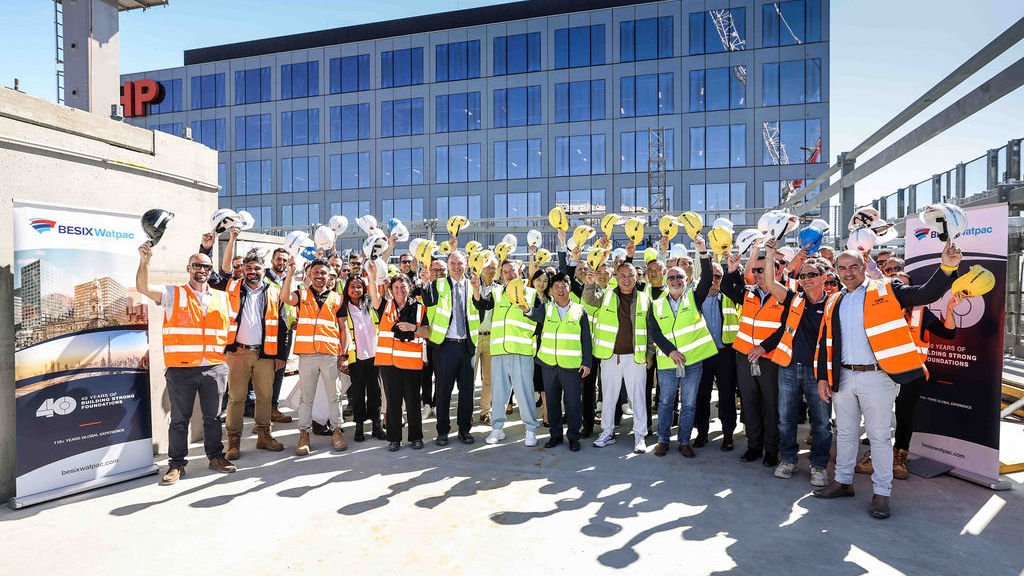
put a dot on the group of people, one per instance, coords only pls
(844, 335)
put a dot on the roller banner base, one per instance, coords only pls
(32, 499)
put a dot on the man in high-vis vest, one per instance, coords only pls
(569, 262)
(319, 342)
(722, 317)
(196, 321)
(454, 328)
(864, 353)
(620, 341)
(512, 355)
(274, 275)
(488, 282)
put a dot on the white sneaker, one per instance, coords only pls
(497, 436)
(426, 411)
(639, 446)
(604, 439)
(531, 438)
(627, 410)
(785, 469)
(819, 477)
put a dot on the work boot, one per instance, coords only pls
(234, 443)
(338, 440)
(879, 507)
(220, 464)
(264, 441)
(899, 464)
(377, 431)
(661, 448)
(278, 418)
(302, 447)
(834, 490)
(865, 466)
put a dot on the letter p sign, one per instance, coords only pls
(136, 94)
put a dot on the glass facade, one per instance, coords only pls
(502, 119)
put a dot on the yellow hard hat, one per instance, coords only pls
(502, 251)
(596, 257)
(422, 250)
(692, 223)
(477, 260)
(977, 282)
(582, 233)
(472, 247)
(444, 248)
(392, 270)
(635, 230)
(558, 219)
(603, 243)
(720, 241)
(456, 224)
(542, 256)
(669, 226)
(650, 254)
(515, 291)
(609, 222)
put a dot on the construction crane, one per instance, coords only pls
(730, 37)
(782, 19)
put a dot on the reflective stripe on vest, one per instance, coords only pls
(784, 351)
(390, 352)
(443, 313)
(316, 331)
(757, 322)
(191, 335)
(921, 337)
(561, 339)
(730, 320)
(511, 331)
(606, 326)
(270, 315)
(685, 329)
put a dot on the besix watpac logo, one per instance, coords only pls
(43, 225)
(922, 233)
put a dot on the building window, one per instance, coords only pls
(350, 171)
(646, 39)
(792, 142)
(517, 106)
(517, 53)
(405, 209)
(207, 91)
(300, 214)
(718, 31)
(401, 67)
(457, 61)
(718, 89)
(222, 179)
(402, 167)
(300, 127)
(707, 198)
(638, 200)
(457, 163)
(300, 174)
(300, 80)
(790, 23)
(468, 206)
(791, 82)
(718, 146)
(457, 112)
(350, 73)
(252, 132)
(210, 133)
(580, 155)
(262, 215)
(253, 177)
(516, 207)
(579, 101)
(351, 209)
(647, 95)
(350, 122)
(252, 86)
(401, 117)
(173, 128)
(581, 201)
(172, 98)
(579, 46)
(634, 151)
(514, 159)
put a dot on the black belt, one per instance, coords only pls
(247, 347)
(456, 340)
(861, 367)
(484, 334)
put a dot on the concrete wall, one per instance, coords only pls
(92, 55)
(61, 155)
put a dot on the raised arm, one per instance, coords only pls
(142, 284)
(287, 296)
(229, 251)
(778, 290)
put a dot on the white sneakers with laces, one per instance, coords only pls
(639, 445)
(819, 477)
(604, 439)
(496, 436)
(785, 469)
(531, 439)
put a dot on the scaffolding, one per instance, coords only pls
(731, 39)
(58, 26)
(657, 192)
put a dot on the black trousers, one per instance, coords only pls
(906, 401)
(183, 384)
(402, 385)
(719, 370)
(760, 397)
(563, 384)
(453, 365)
(364, 393)
(426, 378)
(590, 397)
(278, 379)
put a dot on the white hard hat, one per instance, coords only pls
(820, 225)
(224, 218)
(864, 217)
(533, 238)
(374, 246)
(884, 232)
(723, 223)
(339, 224)
(677, 251)
(293, 241)
(367, 223)
(324, 237)
(782, 224)
(788, 253)
(862, 240)
(949, 220)
(747, 238)
(764, 222)
(510, 239)
(618, 253)
(246, 221)
(401, 232)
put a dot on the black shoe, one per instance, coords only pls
(322, 429)
(552, 442)
(378, 431)
(466, 438)
(394, 446)
(727, 444)
(574, 445)
(359, 436)
(417, 444)
(700, 441)
(441, 440)
(750, 455)
(770, 460)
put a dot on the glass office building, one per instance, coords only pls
(504, 111)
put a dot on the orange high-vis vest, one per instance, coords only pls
(317, 331)
(270, 315)
(192, 336)
(757, 322)
(921, 337)
(784, 351)
(887, 330)
(391, 352)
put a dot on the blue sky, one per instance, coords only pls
(883, 55)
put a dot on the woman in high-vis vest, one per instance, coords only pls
(540, 281)
(864, 353)
(361, 326)
(400, 342)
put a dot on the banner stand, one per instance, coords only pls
(991, 483)
(32, 499)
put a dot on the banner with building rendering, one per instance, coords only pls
(81, 357)
(957, 416)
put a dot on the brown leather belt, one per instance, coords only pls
(861, 367)
(247, 347)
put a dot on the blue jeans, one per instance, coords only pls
(796, 380)
(668, 385)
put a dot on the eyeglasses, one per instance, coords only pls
(676, 277)
(809, 275)
(405, 261)
(757, 270)
(894, 269)
(201, 266)
(832, 283)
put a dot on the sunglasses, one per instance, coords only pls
(676, 277)
(236, 266)
(757, 270)
(893, 269)
(201, 266)
(809, 275)
(831, 283)
(405, 261)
